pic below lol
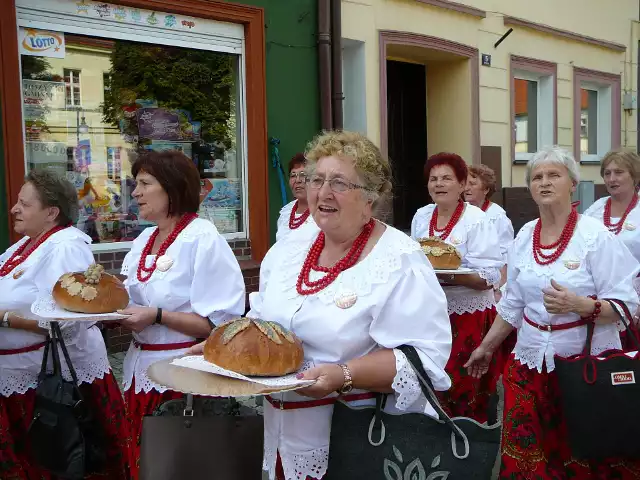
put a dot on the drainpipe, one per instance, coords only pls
(324, 61)
(336, 63)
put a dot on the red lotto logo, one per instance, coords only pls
(623, 378)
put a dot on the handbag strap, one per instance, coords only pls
(627, 324)
(427, 389)
(55, 329)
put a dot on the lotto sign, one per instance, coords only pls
(41, 43)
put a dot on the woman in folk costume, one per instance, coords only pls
(295, 214)
(481, 185)
(47, 207)
(620, 212)
(561, 268)
(353, 292)
(470, 297)
(181, 277)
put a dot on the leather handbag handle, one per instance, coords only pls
(427, 389)
(627, 324)
(57, 336)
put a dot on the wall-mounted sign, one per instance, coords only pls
(41, 43)
(486, 60)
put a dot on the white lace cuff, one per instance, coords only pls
(491, 276)
(511, 316)
(406, 385)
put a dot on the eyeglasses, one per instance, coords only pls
(298, 176)
(337, 185)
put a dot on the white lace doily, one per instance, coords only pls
(459, 271)
(197, 362)
(46, 307)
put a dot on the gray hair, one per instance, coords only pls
(555, 155)
(55, 191)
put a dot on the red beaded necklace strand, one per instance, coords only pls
(306, 286)
(485, 205)
(19, 256)
(297, 222)
(144, 272)
(560, 245)
(616, 228)
(443, 233)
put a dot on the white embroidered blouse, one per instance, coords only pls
(283, 221)
(630, 233)
(205, 278)
(394, 285)
(65, 251)
(498, 218)
(593, 264)
(476, 240)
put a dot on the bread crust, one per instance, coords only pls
(441, 255)
(74, 293)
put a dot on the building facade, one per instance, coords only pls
(491, 80)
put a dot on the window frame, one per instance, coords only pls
(609, 121)
(250, 19)
(546, 74)
(70, 86)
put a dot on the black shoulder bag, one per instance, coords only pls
(370, 444)
(63, 437)
(600, 396)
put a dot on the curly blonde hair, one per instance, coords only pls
(373, 169)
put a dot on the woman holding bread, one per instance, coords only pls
(352, 293)
(49, 249)
(470, 299)
(181, 277)
(562, 268)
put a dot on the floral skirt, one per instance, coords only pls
(105, 402)
(469, 397)
(534, 443)
(138, 405)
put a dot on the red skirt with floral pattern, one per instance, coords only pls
(105, 401)
(469, 397)
(534, 443)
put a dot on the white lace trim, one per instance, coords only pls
(491, 275)
(532, 359)
(406, 384)
(375, 269)
(463, 302)
(512, 317)
(312, 463)
(17, 382)
(143, 383)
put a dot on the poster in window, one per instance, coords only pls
(41, 43)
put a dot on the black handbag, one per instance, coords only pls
(198, 437)
(370, 444)
(63, 436)
(600, 396)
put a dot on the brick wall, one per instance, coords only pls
(118, 338)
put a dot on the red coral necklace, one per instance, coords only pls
(306, 286)
(560, 245)
(485, 205)
(144, 272)
(616, 228)
(299, 221)
(19, 256)
(443, 233)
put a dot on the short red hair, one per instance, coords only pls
(456, 162)
(296, 161)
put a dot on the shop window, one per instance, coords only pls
(533, 106)
(89, 113)
(597, 114)
(72, 87)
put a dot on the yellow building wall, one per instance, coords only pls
(364, 19)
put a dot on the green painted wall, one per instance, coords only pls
(293, 109)
(293, 106)
(4, 208)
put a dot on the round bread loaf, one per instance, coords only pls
(91, 292)
(441, 255)
(254, 347)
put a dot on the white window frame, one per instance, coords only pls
(603, 121)
(222, 37)
(74, 105)
(546, 115)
